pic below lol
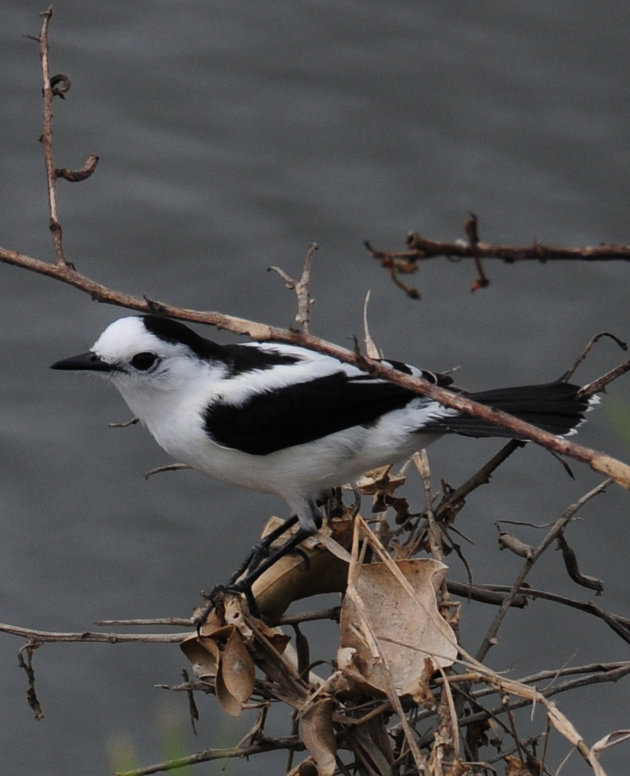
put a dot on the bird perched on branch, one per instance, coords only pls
(288, 420)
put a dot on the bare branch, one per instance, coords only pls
(589, 346)
(41, 636)
(531, 558)
(291, 743)
(304, 300)
(50, 88)
(421, 248)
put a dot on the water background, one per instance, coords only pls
(231, 136)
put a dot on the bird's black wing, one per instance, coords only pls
(303, 412)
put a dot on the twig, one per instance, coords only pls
(266, 745)
(48, 92)
(556, 528)
(421, 248)
(572, 566)
(75, 176)
(169, 467)
(453, 501)
(150, 621)
(27, 664)
(472, 233)
(84, 636)
(620, 625)
(598, 385)
(304, 300)
(589, 346)
(485, 594)
(56, 86)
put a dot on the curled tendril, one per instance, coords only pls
(78, 175)
(60, 84)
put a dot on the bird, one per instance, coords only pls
(288, 420)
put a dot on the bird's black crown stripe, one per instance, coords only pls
(238, 358)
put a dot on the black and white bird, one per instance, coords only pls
(285, 419)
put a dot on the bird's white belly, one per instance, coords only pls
(296, 472)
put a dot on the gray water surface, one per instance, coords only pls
(231, 136)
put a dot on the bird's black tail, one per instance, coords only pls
(554, 407)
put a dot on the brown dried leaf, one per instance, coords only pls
(237, 669)
(274, 637)
(222, 657)
(229, 703)
(380, 481)
(316, 731)
(212, 623)
(390, 618)
(203, 654)
(516, 767)
(422, 694)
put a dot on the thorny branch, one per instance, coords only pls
(365, 729)
(420, 248)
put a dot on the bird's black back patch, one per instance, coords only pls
(237, 358)
(302, 413)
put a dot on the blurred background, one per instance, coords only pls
(231, 135)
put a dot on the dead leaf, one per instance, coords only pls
(222, 658)
(390, 618)
(237, 668)
(516, 767)
(203, 655)
(380, 481)
(422, 694)
(228, 702)
(316, 731)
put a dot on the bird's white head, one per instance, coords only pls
(146, 357)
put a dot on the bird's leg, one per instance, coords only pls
(245, 584)
(254, 566)
(261, 549)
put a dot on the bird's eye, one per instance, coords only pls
(143, 361)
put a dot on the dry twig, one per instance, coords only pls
(420, 248)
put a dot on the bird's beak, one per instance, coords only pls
(85, 361)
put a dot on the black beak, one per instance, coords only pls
(86, 361)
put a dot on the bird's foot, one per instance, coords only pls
(215, 600)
